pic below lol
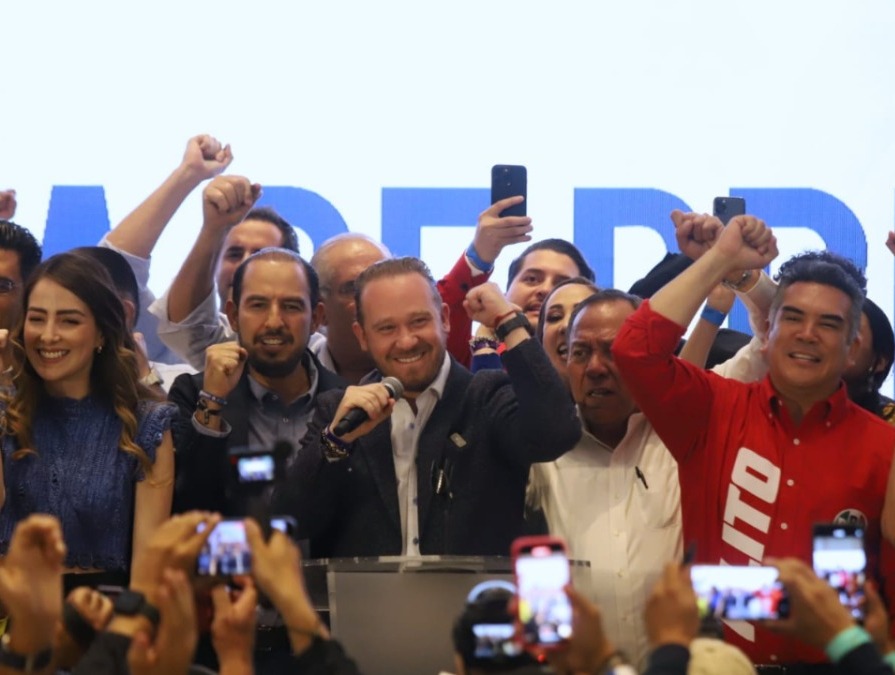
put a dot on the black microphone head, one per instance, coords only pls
(394, 386)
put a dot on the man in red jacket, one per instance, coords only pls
(760, 463)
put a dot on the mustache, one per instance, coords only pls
(285, 337)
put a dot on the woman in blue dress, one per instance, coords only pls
(82, 438)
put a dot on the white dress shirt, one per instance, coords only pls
(593, 498)
(406, 429)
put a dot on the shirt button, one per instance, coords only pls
(790, 482)
(829, 424)
(412, 425)
(617, 533)
(773, 657)
(285, 420)
(783, 526)
(621, 574)
(795, 441)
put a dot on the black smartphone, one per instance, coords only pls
(840, 560)
(725, 208)
(542, 573)
(226, 552)
(739, 593)
(508, 180)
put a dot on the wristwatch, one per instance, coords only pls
(30, 663)
(132, 603)
(518, 321)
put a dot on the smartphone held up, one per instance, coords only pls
(509, 180)
(542, 571)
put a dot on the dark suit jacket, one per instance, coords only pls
(203, 470)
(485, 432)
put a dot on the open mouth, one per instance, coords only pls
(806, 358)
(600, 392)
(413, 358)
(51, 354)
(562, 350)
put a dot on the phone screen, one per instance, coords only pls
(542, 573)
(840, 560)
(495, 641)
(739, 593)
(255, 468)
(226, 552)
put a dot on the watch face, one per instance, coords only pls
(128, 603)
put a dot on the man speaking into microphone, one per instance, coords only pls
(441, 469)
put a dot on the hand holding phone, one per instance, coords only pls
(726, 208)
(542, 573)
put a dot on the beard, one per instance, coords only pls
(274, 368)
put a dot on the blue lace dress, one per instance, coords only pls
(79, 475)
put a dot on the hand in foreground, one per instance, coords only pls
(815, 614)
(176, 545)
(226, 200)
(876, 619)
(7, 204)
(174, 645)
(94, 609)
(31, 582)
(588, 649)
(233, 628)
(276, 568)
(205, 157)
(493, 232)
(672, 616)
(696, 233)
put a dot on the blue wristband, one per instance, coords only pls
(845, 641)
(713, 316)
(474, 258)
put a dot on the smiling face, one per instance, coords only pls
(60, 337)
(274, 319)
(808, 348)
(404, 329)
(541, 270)
(558, 308)
(603, 400)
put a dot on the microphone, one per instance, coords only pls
(357, 416)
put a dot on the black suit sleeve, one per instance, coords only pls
(200, 460)
(668, 660)
(535, 419)
(863, 660)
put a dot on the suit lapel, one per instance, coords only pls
(376, 450)
(430, 455)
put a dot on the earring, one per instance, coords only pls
(99, 349)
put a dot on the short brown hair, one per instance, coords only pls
(392, 267)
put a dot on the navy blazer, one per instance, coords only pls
(484, 433)
(202, 466)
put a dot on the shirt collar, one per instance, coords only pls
(832, 409)
(440, 381)
(259, 391)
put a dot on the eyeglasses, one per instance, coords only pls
(7, 285)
